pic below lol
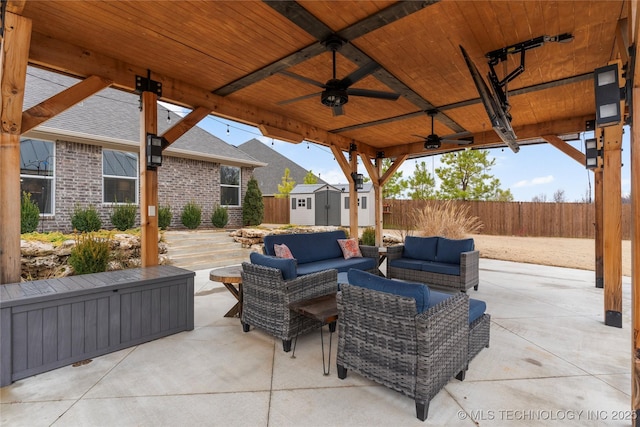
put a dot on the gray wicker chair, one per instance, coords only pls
(381, 338)
(266, 297)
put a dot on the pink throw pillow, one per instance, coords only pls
(282, 251)
(350, 248)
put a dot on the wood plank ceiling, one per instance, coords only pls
(236, 58)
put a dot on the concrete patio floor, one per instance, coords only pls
(551, 362)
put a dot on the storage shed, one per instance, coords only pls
(366, 208)
(315, 204)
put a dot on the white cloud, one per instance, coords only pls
(541, 180)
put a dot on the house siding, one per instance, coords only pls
(78, 182)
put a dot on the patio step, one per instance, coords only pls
(204, 249)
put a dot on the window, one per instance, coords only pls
(308, 202)
(302, 203)
(293, 202)
(364, 202)
(346, 202)
(229, 186)
(37, 165)
(120, 177)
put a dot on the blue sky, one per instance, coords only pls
(536, 170)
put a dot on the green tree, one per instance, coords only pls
(465, 176)
(395, 185)
(287, 185)
(310, 178)
(253, 206)
(421, 183)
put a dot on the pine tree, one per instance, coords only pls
(421, 183)
(395, 185)
(287, 185)
(310, 178)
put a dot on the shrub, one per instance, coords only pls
(164, 217)
(29, 214)
(446, 219)
(90, 254)
(253, 206)
(85, 220)
(191, 215)
(124, 216)
(220, 217)
(368, 236)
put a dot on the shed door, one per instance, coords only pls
(327, 208)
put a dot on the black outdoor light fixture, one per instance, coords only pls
(592, 153)
(154, 150)
(607, 90)
(358, 180)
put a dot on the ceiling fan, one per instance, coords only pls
(434, 141)
(336, 91)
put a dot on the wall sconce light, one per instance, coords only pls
(154, 151)
(358, 180)
(607, 91)
(592, 153)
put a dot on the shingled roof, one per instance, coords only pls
(270, 176)
(112, 117)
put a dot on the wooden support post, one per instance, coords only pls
(353, 196)
(598, 206)
(14, 54)
(611, 229)
(635, 261)
(377, 191)
(148, 183)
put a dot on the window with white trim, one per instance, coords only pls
(37, 167)
(229, 185)
(119, 177)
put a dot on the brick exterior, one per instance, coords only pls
(78, 181)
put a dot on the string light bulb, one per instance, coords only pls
(227, 129)
(271, 141)
(168, 117)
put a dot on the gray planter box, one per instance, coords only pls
(51, 323)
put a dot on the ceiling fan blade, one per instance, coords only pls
(392, 96)
(303, 79)
(359, 74)
(300, 98)
(462, 141)
(337, 110)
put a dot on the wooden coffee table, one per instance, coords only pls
(230, 277)
(325, 310)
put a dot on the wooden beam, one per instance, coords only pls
(60, 102)
(394, 167)
(566, 148)
(14, 54)
(611, 229)
(16, 6)
(635, 257)
(64, 57)
(353, 196)
(599, 242)
(622, 44)
(342, 162)
(184, 125)
(148, 183)
(375, 170)
(281, 134)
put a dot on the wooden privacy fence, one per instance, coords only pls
(499, 218)
(515, 218)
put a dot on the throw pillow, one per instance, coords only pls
(350, 248)
(282, 251)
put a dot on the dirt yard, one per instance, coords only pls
(561, 252)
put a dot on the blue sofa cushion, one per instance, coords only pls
(308, 247)
(441, 268)
(417, 291)
(408, 263)
(476, 307)
(340, 264)
(285, 265)
(424, 248)
(449, 250)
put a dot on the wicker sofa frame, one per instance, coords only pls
(266, 299)
(381, 338)
(469, 272)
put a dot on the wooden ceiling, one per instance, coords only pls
(234, 58)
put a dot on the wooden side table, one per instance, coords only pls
(325, 310)
(230, 277)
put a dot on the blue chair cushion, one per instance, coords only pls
(408, 263)
(308, 247)
(285, 265)
(476, 309)
(424, 248)
(449, 250)
(417, 291)
(441, 268)
(340, 264)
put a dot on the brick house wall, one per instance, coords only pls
(78, 182)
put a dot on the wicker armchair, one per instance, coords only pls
(381, 338)
(266, 299)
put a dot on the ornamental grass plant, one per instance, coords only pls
(446, 219)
